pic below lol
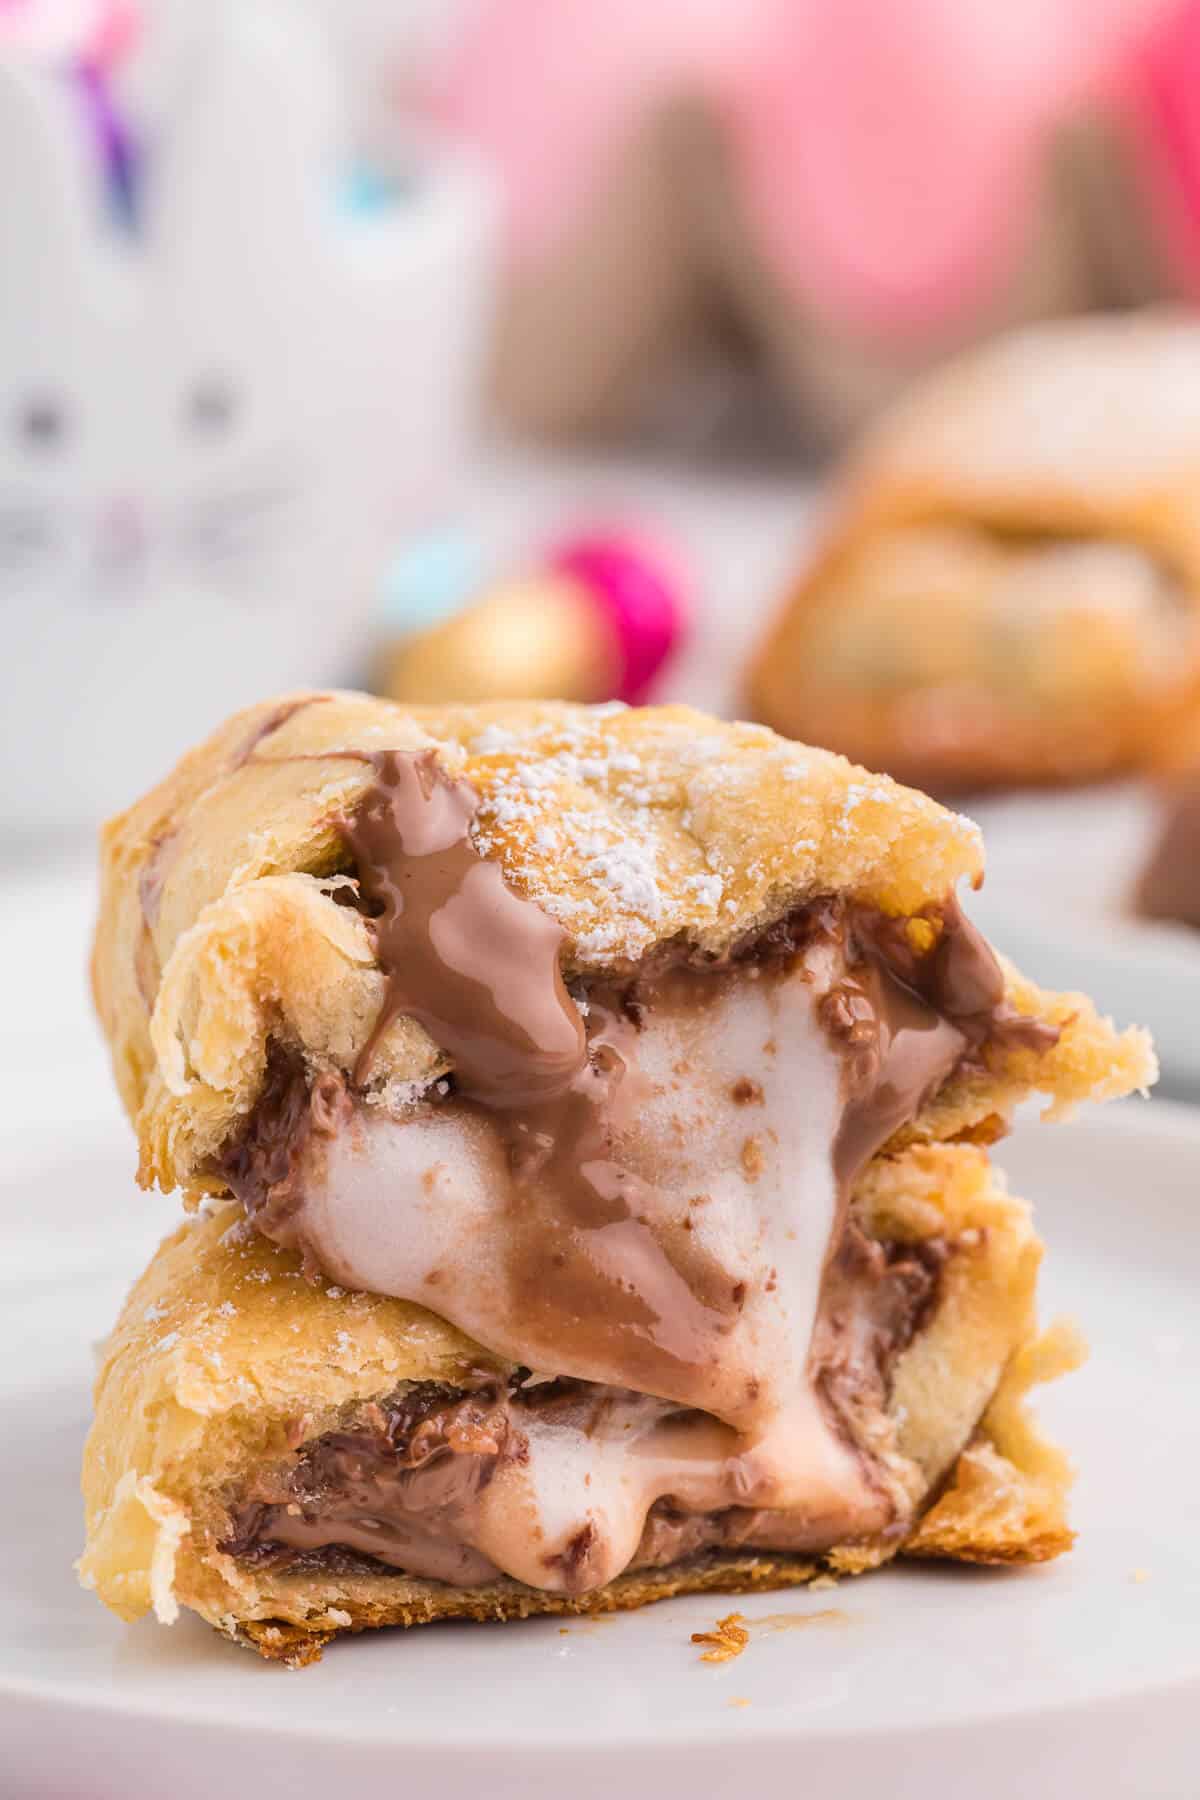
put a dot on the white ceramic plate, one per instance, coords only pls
(1061, 867)
(1082, 1678)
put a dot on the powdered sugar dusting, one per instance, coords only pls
(629, 869)
(494, 738)
(629, 827)
(707, 889)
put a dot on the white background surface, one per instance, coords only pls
(1073, 1679)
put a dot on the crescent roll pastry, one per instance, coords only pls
(587, 1111)
(1009, 588)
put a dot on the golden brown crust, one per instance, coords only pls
(219, 929)
(986, 1517)
(225, 1357)
(989, 1528)
(220, 1348)
(428, 1602)
(1085, 430)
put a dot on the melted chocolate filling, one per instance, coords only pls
(399, 1485)
(464, 955)
(479, 967)
(905, 1002)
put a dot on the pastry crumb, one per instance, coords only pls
(727, 1640)
(730, 1635)
(1140, 1575)
(739, 1700)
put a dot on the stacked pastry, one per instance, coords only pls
(1009, 589)
(584, 1120)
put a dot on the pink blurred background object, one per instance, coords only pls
(1160, 101)
(847, 192)
(98, 32)
(640, 590)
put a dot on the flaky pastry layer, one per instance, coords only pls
(225, 1359)
(220, 927)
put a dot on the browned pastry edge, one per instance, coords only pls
(426, 1603)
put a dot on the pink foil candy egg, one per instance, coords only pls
(597, 621)
(642, 594)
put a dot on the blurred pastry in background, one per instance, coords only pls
(1008, 590)
(597, 620)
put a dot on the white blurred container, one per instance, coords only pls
(213, 433)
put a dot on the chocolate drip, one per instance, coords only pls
(897, 1051)
(910, 1001)
(478, 966)
(641, 1298)
(464, 955)
(599, 1265)
(960, 977)
(275, 720)
(157, 866)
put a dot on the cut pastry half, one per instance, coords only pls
(1009, 588)
(592, 1107)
